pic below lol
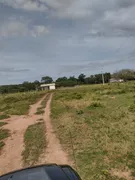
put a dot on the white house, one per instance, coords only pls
(113, 80)
(47, 86)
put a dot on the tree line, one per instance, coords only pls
(125, 74)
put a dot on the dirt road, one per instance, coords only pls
(10, 158)
(54, 152)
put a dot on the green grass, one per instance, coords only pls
(41, 109)
(101, 124)
(4, 116)
(4, 133)
(18, 103)
(44, 102)
(95, 105)
(3, 123)
(2, 144)
(40, 120)
(35, 143)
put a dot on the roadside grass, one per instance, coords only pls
(4, 133)
(2, 144)
(4, 116)
(35, 143)
(40, 120)
(41, 109)
(101, 125)
(18, 103)
(3, 123)
(44, 102)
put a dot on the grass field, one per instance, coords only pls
(100, 121)
(35, 143)
(18, 103)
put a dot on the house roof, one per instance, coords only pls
(45, 85)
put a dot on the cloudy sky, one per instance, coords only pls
(65, 37)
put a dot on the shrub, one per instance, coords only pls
(1, 144)
(95, 105)
(79, 112)
(132, 108)
(4, 133)
(4, 116)
(3, 123)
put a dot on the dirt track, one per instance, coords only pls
(10, 157)
(54, 152)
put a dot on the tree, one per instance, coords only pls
(126, 74)
(46, 79)
(72, 78)
(28, 86)
(36, 82)
(66, 82)
(81, 78)
(90, 80)
(98, 78)
(107, 77)
(61, 79)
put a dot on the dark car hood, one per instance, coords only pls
(50, 172)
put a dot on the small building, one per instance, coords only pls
(113, 80)
(47, 86)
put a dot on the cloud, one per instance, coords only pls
(97, 65)
(15, 27)
(105, 18)
(82, 31)
(12, 70)
(39, 30)
(28, 5)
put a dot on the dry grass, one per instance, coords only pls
(102, 127)
(3, 123)
(41, 109)
(4, 133)
(4, 116)
(35, 143)
(18, 103)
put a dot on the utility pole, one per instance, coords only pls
(103, 79)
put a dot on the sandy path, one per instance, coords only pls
(54, 152)
(10, 158)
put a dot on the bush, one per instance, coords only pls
(4, 133)
(3, 123)
(1, 144)
(79, 112)
(4, 116)
(95, 105)
(132, 108)
(71, 96)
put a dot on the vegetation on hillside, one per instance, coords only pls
(18, 103)
(125, 74)
(100, 122)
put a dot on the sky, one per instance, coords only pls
(64, 38)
